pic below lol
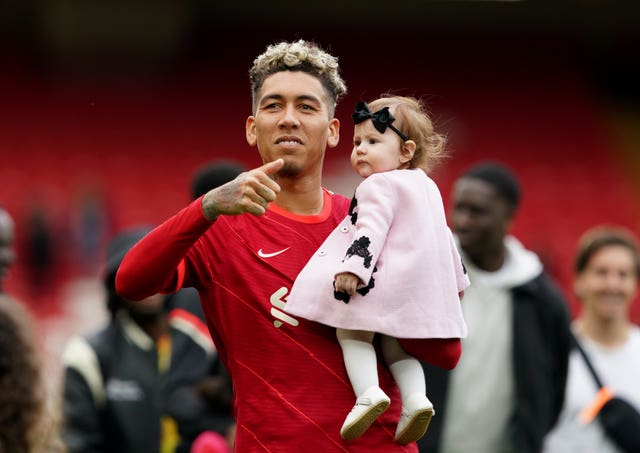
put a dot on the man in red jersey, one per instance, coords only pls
(242, 246)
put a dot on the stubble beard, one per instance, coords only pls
(289, 170)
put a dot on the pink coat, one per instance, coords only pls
(401, 247)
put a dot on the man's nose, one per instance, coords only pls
(462, 217)
(289, 117)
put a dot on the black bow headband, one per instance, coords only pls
(381, 119)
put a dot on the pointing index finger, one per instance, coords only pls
(272, 168)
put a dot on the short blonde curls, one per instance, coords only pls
(412, 119)
(298, 56)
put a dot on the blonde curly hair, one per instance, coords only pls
(412, 119)
(298, 56)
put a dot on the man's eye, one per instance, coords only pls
(271, 106)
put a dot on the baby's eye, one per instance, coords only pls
(373, 141)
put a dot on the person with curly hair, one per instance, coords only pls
(26, 425)
(241, 245)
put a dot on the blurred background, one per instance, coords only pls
(109, 106)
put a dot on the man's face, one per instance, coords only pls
(480, 216)
(292, 122)
(152, 305)
(7, 252)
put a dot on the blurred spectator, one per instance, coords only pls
(38, 251)
(90, 228)
(508, 388)
(135, 385)
(214, 174)
(607, 268)
(7, 239)
(26, 424)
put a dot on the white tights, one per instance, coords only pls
(362, 368)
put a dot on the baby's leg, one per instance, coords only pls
(362, 369)
(359, 358)
(405, 369)
(417, 410)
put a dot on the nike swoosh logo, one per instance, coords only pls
(261, 254)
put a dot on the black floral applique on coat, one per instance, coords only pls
(352, 210)
(360, 247)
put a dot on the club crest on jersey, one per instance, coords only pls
(278, 301)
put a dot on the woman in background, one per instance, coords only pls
(607, 269)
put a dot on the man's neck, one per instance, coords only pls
(489, 261)
(301, 198)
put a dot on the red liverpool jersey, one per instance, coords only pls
(292, 392)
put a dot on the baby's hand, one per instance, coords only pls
(346, 282)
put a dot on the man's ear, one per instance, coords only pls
(407, 151)
(250, 131)
(334, 133)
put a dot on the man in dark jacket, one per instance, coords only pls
(138, 384)
(508, 388)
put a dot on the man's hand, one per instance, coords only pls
(346, 283)
(251, 191)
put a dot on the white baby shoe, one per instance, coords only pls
(369, 406)
(414, 419)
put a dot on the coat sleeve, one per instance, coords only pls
(156, 263)
(374, 214)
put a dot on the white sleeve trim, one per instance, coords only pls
(186, 327)
(80, 356)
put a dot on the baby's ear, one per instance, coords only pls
(407, 151)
